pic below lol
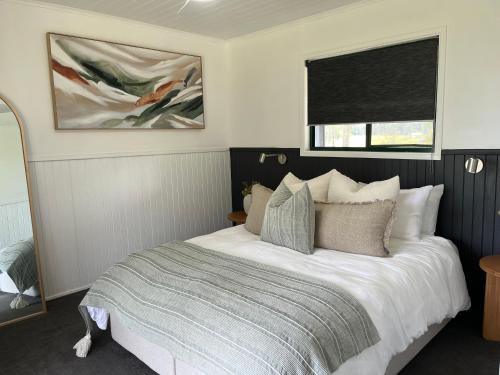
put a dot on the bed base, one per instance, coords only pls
(162, 362)
(400, 360)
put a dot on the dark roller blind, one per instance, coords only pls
(395, 83)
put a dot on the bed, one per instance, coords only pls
(409, 296)
(18, 273)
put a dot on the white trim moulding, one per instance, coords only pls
(123, 154)
(67, 292)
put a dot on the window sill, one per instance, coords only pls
(373, 154)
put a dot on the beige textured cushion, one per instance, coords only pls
(318, 186)
(260, 196)
(343, 189)
(359, 228)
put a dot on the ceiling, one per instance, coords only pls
(223, 19)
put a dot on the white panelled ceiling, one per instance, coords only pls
(223, 19)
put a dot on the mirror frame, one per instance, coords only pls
(32, 214)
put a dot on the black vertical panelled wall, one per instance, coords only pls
(467, 215)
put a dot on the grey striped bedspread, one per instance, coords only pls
(19, 262)
(228, 315)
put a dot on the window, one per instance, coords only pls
(382, 99)
(415, 136)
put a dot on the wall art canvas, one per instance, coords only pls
(103, 85)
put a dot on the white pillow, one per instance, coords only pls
(431, 210)
(410, 208)
(318, 186)
(343, 189)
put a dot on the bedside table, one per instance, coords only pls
(237, 217)
(491, 322)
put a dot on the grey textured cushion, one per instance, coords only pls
(289, 219)
(260, 196)
(359, 228)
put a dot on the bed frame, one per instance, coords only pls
(162, 362)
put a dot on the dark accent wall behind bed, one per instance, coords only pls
(468, 211)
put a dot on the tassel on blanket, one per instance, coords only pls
(18, 302)
(82, 347)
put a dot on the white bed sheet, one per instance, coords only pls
(420, 284)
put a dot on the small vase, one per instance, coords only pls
(247, 201)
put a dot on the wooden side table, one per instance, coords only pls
(237, 217)
(491, 320)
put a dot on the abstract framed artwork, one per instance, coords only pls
(104, 85)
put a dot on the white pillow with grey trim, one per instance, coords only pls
(289, 219)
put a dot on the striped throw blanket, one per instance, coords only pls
(228, 315)
(19, 262)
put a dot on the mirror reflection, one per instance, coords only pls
(19, 284)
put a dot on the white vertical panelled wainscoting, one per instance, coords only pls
(91, 213)
(15, 222)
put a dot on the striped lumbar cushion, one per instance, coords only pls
(289, 219)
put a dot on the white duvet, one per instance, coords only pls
(420, 284)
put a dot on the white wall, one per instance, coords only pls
(15, 223)
(92, 213)
(12, 175)
(265, 92)
(15, 219)
(24, 77)
(93, 209)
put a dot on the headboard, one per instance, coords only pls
(468, 211)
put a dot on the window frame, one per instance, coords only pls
(373, 148)
(376, 151)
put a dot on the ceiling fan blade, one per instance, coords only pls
(182, 7)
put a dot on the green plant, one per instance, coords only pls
(247, 187)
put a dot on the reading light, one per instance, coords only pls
(474, 165)
(281, 158)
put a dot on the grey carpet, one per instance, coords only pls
(43, 345)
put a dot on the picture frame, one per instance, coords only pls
(101, 85)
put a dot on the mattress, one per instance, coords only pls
(419, 285)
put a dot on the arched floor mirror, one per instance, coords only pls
(21, 291)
